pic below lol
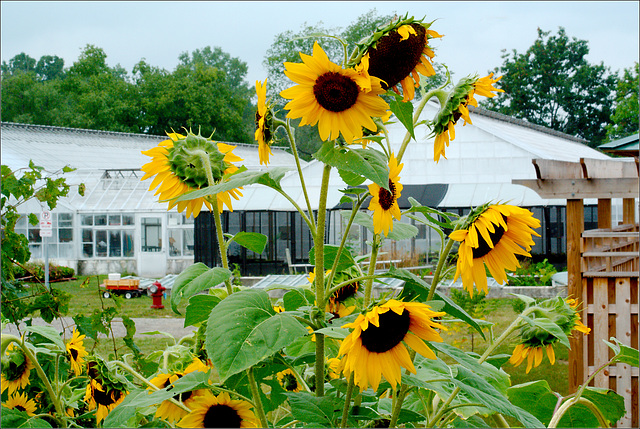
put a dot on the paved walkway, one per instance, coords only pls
(170, 325)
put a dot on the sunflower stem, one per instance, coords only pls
(399, 397)
(500, 420)
(441, 262)
(257, 402)
(354, 212)
(563, 409)
(47, 385)
(347, 402)
(416, 115)
(318, 242)
(206, 162)
(294, 150)
(372, 269)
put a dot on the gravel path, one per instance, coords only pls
(170, 325)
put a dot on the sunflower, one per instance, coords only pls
(16, 368)
(374, 348)
(288, 380)
(104, 398)
(179, 169)
(19, 401)
(340, 101)
(399, 53)
(263, 135)
(385, 203)
(455, 108)
(338, 299)
(278, 309)
(536, 340)
(495, 235)
(76, 351)
(334, 368)
(209, 411)
(167, 410)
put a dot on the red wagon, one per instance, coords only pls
(130, 288)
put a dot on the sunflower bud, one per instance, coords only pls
(189, 157)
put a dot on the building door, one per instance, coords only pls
(152, 261)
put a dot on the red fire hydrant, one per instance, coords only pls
(157, 290)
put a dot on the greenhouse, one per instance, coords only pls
(119, 225)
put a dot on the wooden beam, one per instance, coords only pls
(575, 227)
(582, 188)
(628, 210)
(604, 213)
(586, 168)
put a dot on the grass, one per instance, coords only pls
(87, 297)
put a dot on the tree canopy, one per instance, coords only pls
(206, 91)
(552, 84)
(626, 116)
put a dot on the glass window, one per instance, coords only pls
(87, 250)
(115, 245)
(65, 235)
(174, 219)
(188, 242)
(87, 236)
(175, 242)
(65, 219)
(21, 222)
(114, 220)
(127, 243)
(87, 220)
(100, 219)
(127, 219)
(101, 243)
(151, 234)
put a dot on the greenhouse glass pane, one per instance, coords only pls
(87, 235)
(65, 235)
(101, 219)
(21, 222)
(65, 219)
(65, 251)
(127, 243)
(87, 220)
(101, 243)
(127, 219)
(188, 242)
(53, 250)
(34, 236)
(175, 242)
(36, 251)
(115, 244)
(114, 220)
(87, 250)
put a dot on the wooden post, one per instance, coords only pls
(623, 333)
(628, 210)
(575, 228)
(604, 213)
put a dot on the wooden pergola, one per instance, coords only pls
(602, 266)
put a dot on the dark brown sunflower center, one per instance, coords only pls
(483, 247)
(74, 354)
(20, 407)
(106, 398)
(335, 92)
(391, 330)
(265, 130)
(289, 382)
(13, 371)
(392, 59)
(221, 416)
(345, 292)
(386, 198)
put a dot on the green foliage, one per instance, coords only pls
(530, 274)
(625, 117)
(553, 85)
(207, 90)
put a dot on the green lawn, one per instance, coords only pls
(87, 297)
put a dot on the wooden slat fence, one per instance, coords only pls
(610, 308)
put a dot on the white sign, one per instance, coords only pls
(46, 226)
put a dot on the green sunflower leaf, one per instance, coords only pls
(314, 411)
(194, 279)
(330, 253)
(351, 179)
(480, 391)
(401, 231)
(270, 178)
(550, 327)
(125, 410)
(49, 333)
(12, 418)
(253, 241)
(623, 354)
(404, 113)
(363, 162)
(244, 329)
(433, 216)
(199, 308)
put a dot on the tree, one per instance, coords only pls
(20, 63)
(50, 67)
(553, 85)
(626, 115)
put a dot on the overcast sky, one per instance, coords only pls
(475, 32)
